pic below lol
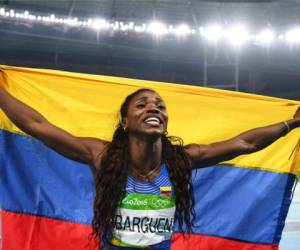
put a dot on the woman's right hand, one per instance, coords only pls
(33, 123)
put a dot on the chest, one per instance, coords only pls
(145, 215)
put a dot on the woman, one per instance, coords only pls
(151, 176)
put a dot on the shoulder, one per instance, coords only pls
(196, 153)
(194, 150)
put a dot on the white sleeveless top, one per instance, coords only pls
(145, 216)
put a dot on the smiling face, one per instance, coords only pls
(146, 115)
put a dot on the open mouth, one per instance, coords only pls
(153, 121)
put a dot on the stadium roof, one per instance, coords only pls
(273, 71)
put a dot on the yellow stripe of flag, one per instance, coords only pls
(87, 105)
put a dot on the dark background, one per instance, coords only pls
(273, 71)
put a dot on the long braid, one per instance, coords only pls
(179, 168)
(110, 182)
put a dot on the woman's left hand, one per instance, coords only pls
(297, 114)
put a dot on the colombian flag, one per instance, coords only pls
(47, 199)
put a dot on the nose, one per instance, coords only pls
(153, 109)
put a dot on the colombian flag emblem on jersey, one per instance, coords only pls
(167, 191)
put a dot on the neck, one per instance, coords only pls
(145, 155)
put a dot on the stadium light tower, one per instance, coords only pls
(182, 30)
(100, 24)
(212, 33)
(265, 37)
(237, 35)
(157, 28)
(293, 36)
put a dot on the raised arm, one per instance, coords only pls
(245, 143)
(33, 123)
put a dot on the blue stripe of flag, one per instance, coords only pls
(237, 203)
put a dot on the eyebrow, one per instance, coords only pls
(144, 98)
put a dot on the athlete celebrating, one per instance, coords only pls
(143, 176)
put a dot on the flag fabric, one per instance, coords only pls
(47, 199)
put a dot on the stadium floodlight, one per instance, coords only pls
(139, 28)
(131, 25)
(237, 35)
(57, 20)
(26, 14)
(45, 19)
(115, 26)
(266, 36)
(32, 17)
(73, 21)
(12, 13)
(157, 28)
(99, 24)
(212, 33)
(84, 23)
(52, 18)
(182, 30)
(293, 36)
(124, 27)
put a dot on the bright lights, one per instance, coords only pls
(26, 14)
(12, 13)
(100, 24)
(52, 18)
(71, 21)
(212, 33)
(45, 19)
(293, 36)
(182, 30)
(131, 26)
(265, 37)
(157, 28)
(237, 35)
(139, 29)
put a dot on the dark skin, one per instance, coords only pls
(144, 136)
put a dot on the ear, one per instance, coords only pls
(124, 123)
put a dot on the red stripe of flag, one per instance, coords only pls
(202, 242)
(28, 232)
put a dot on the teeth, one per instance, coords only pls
(152, 121)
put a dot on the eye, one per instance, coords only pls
(140, 105)
(161, 106)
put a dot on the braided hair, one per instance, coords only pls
(112, 175)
